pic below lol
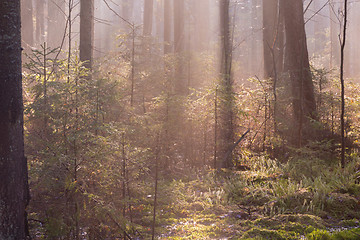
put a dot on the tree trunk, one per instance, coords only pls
(179, 46)
(298, 68)
(167, 27)
(319, 27)
(254, 43)
(201, 21)
(56, 23)
(270, 23)
(27, 24)
(127, 10)
(226, 89)
(273, 48)
(147, 28)
(86, 32)
(342, 116)
(334, 32)
(40, 22)
(13, 168)
(148, 17)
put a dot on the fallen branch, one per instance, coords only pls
(236, 143)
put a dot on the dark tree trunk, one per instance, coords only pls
(179, 46)
(56, 22)
(342, 116)
(226, 89)
(13, 168)
(273, 47)
(270, 36)
(27, 24)
(86, 32)
(298, 68)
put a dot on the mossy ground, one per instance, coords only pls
(204, 209)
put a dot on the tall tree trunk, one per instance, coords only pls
(86, 32)
(40, 22)
(334, 32)
(167, 27)
(147, 27)
(270, 23)
(273, 47)
(179, 46)
(13, 168)
(254, 43)
(159, 19)
(342, 117)
(56, 23)
(27, 24)
(298, 68)
(226, 89)
(201, 21)
(127, 7)
(319, 27)
(148, 17)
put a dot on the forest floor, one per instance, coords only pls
(257, 205)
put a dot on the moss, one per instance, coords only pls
(342, 205)
(318, 234)
(288, 221)
(350, 223)
(257, 233)
(352, 189)
(295, 227)
(196, 206)
(352, 234)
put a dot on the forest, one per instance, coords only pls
(179, 119)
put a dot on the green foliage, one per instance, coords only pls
(81, 131)
(319, 234)
(76, 147)
(257, 233)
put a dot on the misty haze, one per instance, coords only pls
(179, 119)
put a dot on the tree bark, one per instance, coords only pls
(27, 24)
(13, 168)
(298, 68)
(86, 32)
(273, 48)
(270, 23)
(226, 88)
(342, 117)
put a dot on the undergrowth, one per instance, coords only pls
(269, 201)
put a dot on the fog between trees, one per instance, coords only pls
(126, 99)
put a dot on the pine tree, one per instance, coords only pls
(13, 168)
